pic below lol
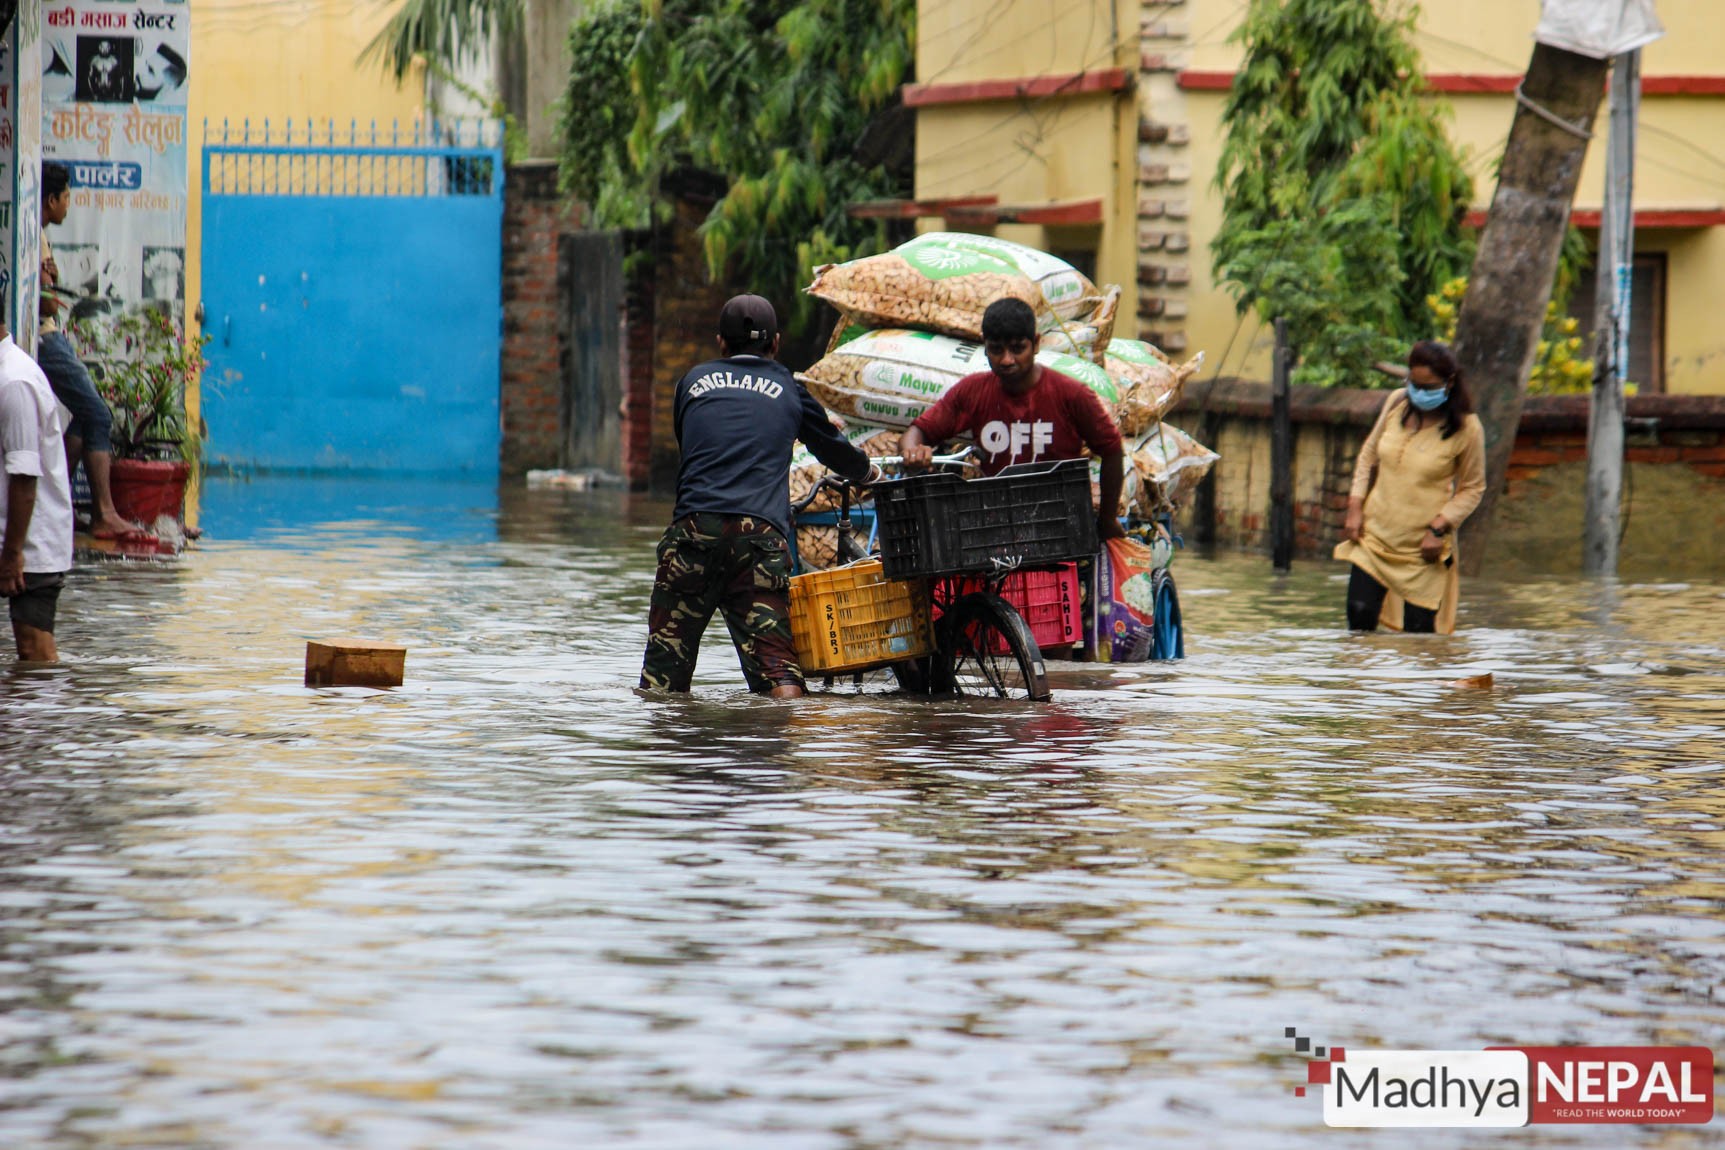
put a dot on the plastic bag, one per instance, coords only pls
(1087, 335)
(1123, 630)
(1598, 29)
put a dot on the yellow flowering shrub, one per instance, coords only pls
(1559, 365)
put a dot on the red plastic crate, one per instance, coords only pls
(1047, 598)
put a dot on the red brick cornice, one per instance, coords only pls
(1477, 83)
(1251, 399)
(1644, 218)
(1024, 87)
(1054, 213)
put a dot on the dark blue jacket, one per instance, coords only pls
(736, 421)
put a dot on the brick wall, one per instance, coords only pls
(531, 399)
(685, 324)
(671, 318)
(1674, 485)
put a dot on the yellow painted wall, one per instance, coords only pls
(1047, 151)
(1033, 151)
(963, 40)
(1694, 311)
(279, 60)
(1680, 160)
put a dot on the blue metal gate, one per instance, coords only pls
(352, 287)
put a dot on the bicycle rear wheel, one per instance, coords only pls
(985, 649)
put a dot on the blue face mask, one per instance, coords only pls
(1427, 398)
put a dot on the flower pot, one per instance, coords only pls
(145, 489)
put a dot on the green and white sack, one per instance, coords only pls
(1068, 291)
(938, 287)
(1087, 335)
(1085, 372)
(891, 376)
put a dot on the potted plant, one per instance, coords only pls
(141, 362)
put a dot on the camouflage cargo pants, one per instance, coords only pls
(733, 564)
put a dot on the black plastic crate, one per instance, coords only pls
(1028, 515)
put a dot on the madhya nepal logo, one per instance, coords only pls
(1510, 1086)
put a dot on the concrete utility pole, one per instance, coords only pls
(1611, 324)
(1503, 312)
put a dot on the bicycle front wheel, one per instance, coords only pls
(986, 649)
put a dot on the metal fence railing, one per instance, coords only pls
(311, 158)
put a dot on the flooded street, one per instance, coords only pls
(512, 904)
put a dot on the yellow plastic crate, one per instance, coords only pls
(851, 618)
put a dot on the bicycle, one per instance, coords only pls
(982, 646)
(1168, 632)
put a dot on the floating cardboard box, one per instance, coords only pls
(353, 663)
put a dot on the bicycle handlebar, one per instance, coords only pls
(836, 482)
(956, 457)
(839, 483)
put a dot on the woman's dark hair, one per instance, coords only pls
(1441, 361)
(1007, 321)
(55, 179)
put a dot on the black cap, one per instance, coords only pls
(747, 321)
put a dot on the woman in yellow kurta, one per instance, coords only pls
(1420, 473)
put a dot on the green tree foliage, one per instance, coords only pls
(1343, 199)
(599, 113)
(1334, 278)
(785, 101)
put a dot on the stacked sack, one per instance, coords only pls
(911, 327)
(943, 281)
(889, 376)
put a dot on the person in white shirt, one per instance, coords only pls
(35, 500)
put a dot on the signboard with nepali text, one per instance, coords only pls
(115, 77)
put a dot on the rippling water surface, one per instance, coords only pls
(512, 904)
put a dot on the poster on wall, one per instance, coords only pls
(115, 76)
(20, 161)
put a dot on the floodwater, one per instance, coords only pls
(512, 904)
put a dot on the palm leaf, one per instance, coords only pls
(440, 30)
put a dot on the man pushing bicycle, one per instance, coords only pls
(736, 419)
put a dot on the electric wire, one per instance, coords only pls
(1642, 126)
(1683, 141)
(999, 9)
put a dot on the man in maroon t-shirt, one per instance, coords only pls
(1022, 412)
